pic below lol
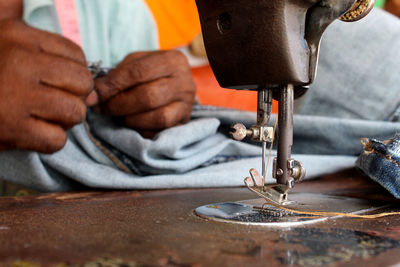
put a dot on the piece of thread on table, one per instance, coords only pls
(332, 214)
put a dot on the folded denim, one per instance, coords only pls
(182, 156)
(381, 162)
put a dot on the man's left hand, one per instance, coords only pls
(151, 91)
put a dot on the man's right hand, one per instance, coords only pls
(44, 81)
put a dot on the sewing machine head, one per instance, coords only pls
(271, 46)
(268, 43)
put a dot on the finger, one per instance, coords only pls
(44, 137)
(64, 74)
(92, 99)
(145, 97)
(145, 69)
(134, 56)
(58, 107)
(161, 118)
(43, 41)
(60, 46)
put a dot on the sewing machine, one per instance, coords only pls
(271, 46)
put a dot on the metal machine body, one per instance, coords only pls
(271, 46)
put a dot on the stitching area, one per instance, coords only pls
(105, 151)
(387, 157)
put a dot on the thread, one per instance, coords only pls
(332, 214)
(270, 150)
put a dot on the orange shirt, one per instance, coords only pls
(178, 24)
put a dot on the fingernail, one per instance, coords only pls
(92, 99)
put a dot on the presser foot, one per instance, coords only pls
(277, 194)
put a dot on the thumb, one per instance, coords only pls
(108, 86)
(92, 99)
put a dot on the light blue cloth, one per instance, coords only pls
(200, 154)
(110, 29)
(358, 75)
(174, 159)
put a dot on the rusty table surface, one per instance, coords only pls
(159, 228)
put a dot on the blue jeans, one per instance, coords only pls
(381, 162)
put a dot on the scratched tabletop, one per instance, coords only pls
(159, 228)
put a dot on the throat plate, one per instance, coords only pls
(250, 212)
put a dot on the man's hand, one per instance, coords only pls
(44, 82)
(151, 91)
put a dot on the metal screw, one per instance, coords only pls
(279, 172)
(290, 163)
(298, 172)
(290, 183)
(238, 132)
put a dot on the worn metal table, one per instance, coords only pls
(158, 228)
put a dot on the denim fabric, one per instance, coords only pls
(368, 90)
(180, 157)
(354, 102)
(358, 76)
(313, 134)
(381, 162)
